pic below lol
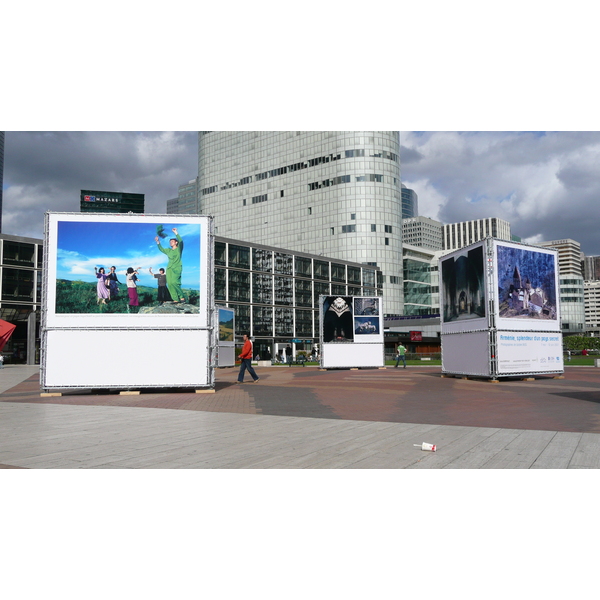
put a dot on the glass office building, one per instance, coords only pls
(186, 202)
(111, 202)
(20, 295)
(329, 193)
(275, 292)
(410, 203)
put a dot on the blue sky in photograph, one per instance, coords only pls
(83, 245)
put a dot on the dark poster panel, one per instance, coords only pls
(337, 319)
(526, 284)
(463, 284)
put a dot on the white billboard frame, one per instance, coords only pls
(483, 346)
(366, 348)
(112, 351)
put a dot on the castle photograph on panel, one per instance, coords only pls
(526, 284)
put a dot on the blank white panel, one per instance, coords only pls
(226, 356)
(466, 353)
(126, 358)
(352, 355)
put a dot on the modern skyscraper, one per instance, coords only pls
(572, 295)
(459, 235)
(111, 202)
(591, 268)
(186, 202)
(335, 193)
(410, 203)
(1, 173)
(422, 232)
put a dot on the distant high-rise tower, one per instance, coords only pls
(1, 173)
(572, 288)
(187, 201)
(111, 202)
(465, 233)
(410, 203)
(335, 193)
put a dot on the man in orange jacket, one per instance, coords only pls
(246, 358)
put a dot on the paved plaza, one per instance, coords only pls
(303, 417)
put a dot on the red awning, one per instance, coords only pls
(6, 330)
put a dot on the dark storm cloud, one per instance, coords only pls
(545, 185)
(409, 155)
(46, 171)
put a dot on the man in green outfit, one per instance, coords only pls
(401, 355)
(174, 266)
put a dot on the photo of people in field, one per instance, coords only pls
(137, 268)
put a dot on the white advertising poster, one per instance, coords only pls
(127, 271)
(463, 290)
(529, 352)
(466, 353)
(526, 281)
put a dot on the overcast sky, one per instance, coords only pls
(545, 184)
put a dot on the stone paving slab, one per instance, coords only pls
(305, 418)
(255, 441)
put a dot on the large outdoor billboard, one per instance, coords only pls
(128, 301)
(463, 290)
(526, 281)
(126, 270)
(351, 331)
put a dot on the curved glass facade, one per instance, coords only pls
(334, 193)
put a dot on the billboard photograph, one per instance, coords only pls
(527, 286)
(226, 324)
(463, 285)
(338, 323)
(366, 326)
(108, 267)
(126, 270)
(366, 306)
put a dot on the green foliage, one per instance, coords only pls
(579, 342)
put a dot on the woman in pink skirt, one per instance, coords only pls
(131, 277)
(102, 288)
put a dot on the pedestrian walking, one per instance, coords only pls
(246, 358)
(400, 355)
